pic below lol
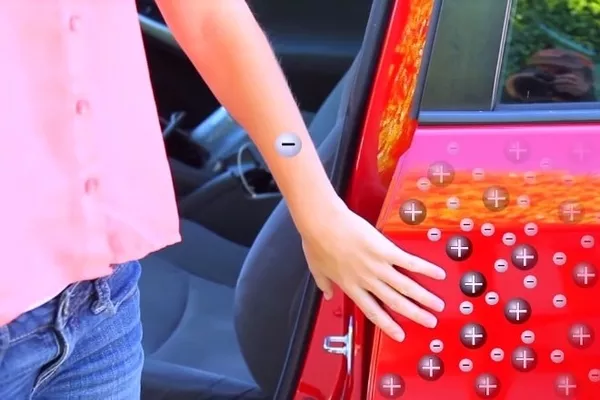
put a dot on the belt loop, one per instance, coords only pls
(103, 301)
(63, 309)
(4, 341)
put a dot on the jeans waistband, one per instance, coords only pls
(95, 294)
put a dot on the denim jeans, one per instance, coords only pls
(83, 344)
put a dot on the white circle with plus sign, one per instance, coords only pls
(466, 307)
(436, 346)
(453, 203)
(594, 375)
(492, 298)
(467, 224)
(557, 356)
(559, 258)
(559, 301)
(509, 239)
(587, 241)
(423, 184)
(501, 265)
(497, 354)
(487, 229)
(530, 281)
(465, 365)
(528, 337)
(530, 229)
(434, 234)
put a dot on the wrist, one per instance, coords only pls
(320, 214)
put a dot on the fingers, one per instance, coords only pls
(415, 264)
(402, 305)
(324, 284)
(375, 313)
(409, 288)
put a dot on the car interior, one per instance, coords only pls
(218, 308)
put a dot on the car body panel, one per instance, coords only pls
(498, 188)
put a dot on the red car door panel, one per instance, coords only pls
(511, 213)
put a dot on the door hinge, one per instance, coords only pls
(342, 345)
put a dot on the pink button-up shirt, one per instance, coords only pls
(82, 162)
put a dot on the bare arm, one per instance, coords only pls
(232, 54)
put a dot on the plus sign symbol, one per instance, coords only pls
(391, 386)
(566, 386)
(524, 359)
(473, 336)
(517, 311)
(413, 212)
(430, 368)
(495, 198)
(570, 212)
(517, 151)
(473, 284)
(581, 336)
(581, 153)
(441, 174)
(487, 386)
(524, 257)
(585, 275)
(459, 248)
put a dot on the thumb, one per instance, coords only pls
(324, 284)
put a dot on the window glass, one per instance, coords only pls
(552, 52)
(464, 58)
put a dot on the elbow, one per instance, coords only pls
(202, 21)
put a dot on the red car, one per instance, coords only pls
(466, 131)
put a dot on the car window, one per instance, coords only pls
(464, 57)
(552, 52)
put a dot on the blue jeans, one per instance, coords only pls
(84, 344)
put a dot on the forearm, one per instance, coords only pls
(233, 56)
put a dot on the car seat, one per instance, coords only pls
(218, 316)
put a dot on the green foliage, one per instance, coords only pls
(568, 24)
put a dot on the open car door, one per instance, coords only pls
(476, 150)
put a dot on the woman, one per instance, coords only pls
(78, 105)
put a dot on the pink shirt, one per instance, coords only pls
(82, 162)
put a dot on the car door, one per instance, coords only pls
(485, 164)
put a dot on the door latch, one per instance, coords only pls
(342, 345)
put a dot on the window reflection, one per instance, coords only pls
(552, 52)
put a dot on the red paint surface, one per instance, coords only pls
(324, 375)
(551, 325)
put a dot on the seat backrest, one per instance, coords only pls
(269, 286)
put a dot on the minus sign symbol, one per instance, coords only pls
(288, 144)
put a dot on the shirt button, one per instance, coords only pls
(91, 185)
(74, 23)
(82, 107)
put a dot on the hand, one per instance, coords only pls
(349, 251)
(571, 84)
